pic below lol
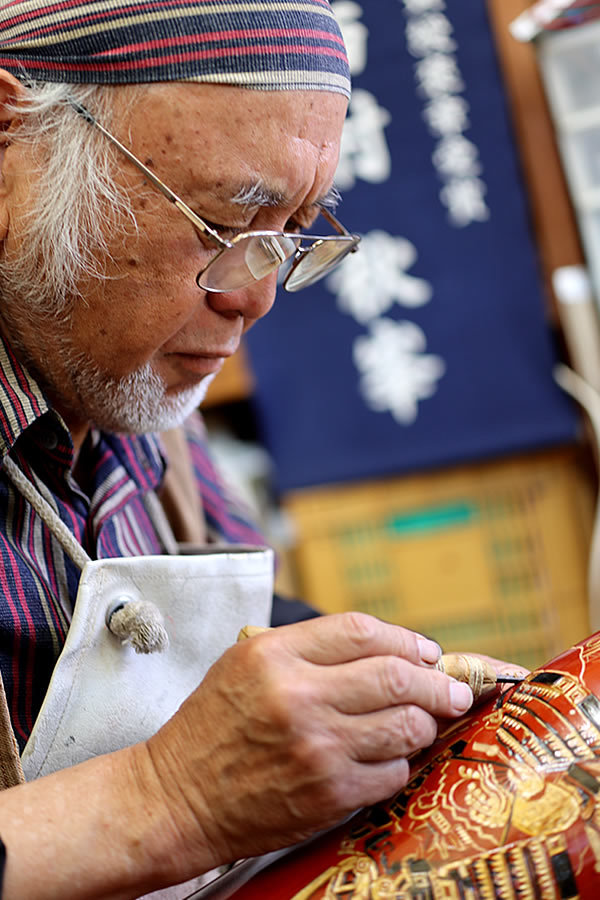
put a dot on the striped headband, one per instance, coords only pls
(262, 44)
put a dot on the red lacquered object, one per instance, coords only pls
(503, 805)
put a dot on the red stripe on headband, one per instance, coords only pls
(123, 10)
(68, 24)
(41, 14)
(150, 62)
(264, 40)
(205, 38)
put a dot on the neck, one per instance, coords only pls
(78, 436)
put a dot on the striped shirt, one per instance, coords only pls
(38, 581)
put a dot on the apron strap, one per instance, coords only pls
(178, 506)
(11, 771)
(56, 525)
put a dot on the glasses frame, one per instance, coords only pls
(205, 229)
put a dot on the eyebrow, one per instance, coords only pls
(331, 199)
(259, 195)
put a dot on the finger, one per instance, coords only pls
(379, 682)
(389, 734)
(372, 782)
(344, 637)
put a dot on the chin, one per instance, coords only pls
(140, 402)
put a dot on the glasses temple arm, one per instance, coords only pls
(162, 187)
(335, 223)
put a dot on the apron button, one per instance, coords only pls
(139, 623)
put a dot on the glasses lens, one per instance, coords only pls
(249, 260)
(322, 257)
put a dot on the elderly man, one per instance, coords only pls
(146, 148)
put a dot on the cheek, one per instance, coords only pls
(135, 313)
(164, 246)
(152, 282)
(167, 256)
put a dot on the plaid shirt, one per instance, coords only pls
(38, 581)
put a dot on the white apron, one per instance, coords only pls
(103, 695)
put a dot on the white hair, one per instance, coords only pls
(75, 203)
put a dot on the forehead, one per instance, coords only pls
(224, 139)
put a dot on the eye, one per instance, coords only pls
(224, 231)
(306, 218)
(303, 219)
(292, 226)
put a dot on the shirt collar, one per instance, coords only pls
(22, 401)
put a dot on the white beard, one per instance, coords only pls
(136, 403)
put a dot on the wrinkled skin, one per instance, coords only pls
(307, 723)
(290, 730)
(206, 142)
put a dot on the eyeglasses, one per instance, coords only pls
(252, 255)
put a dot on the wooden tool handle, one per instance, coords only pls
(249, 631)
(478, 674)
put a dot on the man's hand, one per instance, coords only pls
(294, 729)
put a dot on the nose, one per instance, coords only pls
(251, 303)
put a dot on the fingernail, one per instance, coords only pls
(461, 696)
(429, 651)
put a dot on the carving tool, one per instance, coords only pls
(477, 673)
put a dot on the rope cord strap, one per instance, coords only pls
(135, 622)
(58, 528)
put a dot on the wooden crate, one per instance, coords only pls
(489, 558)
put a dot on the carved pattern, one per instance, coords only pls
(504, 805)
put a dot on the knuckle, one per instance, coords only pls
(316, 773)
(394, 680)
(360, 628)
(313, 755)
(255, 653)
(329, 777)
(333, 796)
(415, 728)
(404, 731)
(300, 699)
(288, 702)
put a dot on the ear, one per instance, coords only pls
(11, 92)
